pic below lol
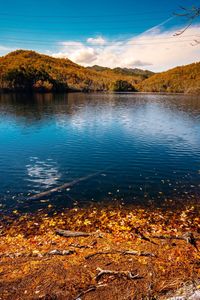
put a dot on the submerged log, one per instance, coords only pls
(62, 187)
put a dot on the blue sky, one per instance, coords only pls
(54, 26)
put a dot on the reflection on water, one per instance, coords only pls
(41, 174)
(148, 144)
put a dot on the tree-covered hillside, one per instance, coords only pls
(185, 79)
(23, 70)
(28, 70)
(138, 74)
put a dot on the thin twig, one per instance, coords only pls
(189, 13)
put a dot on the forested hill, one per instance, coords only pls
(28, 70)
(24, 70)
(185, 79)
(139, 73)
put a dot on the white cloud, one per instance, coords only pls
(139, 63)
(96, 41)
(77, 52)
(156, 49)
(86, 56)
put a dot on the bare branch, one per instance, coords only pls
(195, 43)
(190, 14)
(183, 30)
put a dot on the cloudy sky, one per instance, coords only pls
(109, 33)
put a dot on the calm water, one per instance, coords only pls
(145, 147)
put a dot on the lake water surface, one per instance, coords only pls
(145, 147)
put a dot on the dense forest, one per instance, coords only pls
(142, 74)
(185, 79)
(24, 70)
(28, 70)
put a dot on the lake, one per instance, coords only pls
(143, 147)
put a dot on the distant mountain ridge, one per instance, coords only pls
(124, 71)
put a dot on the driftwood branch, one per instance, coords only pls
(69, 233)
(123, 252)
(38, 254)
(138, 253)
(188, 237)
(126, 274)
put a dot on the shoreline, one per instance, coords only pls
(38, 263)
(96, 92)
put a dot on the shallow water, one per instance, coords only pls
(145, 147)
